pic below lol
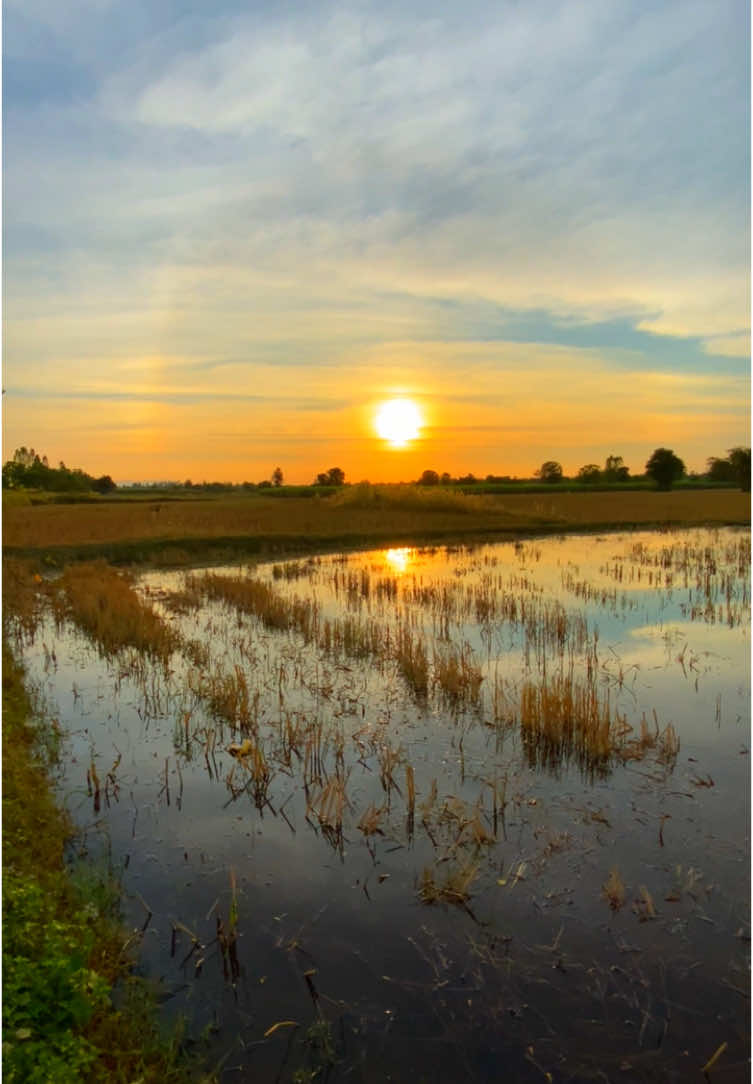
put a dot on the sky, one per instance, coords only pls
(232, 231)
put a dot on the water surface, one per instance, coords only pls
(521, 965)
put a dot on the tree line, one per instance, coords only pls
(28, 470)
(663, 467)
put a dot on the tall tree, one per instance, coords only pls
(615, 469)
(551, 471)
(719, 470)
(740, 461)
(665, 467)
(590, 474)
(277, 476)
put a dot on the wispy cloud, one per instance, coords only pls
(248, 193)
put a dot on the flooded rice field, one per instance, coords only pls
(464, 814)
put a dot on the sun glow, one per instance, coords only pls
(398, 421)
(399, 559)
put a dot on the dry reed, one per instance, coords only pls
(104, 604)
(453, 888)
(567, 717)
(613, 890)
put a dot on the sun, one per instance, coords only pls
(398, 421)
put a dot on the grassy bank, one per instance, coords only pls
(190, 531)
(64, 951)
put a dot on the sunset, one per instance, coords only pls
(376, 569)
(398, 421)
(229, 237)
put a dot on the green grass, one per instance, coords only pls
(63, 947)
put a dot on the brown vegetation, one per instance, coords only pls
(103, 603)
(388, 513)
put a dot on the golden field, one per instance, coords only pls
(359, 513)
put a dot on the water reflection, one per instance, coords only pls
(399, 559)
(417, 785)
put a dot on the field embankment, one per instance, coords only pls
(64, 950)
(186, 531)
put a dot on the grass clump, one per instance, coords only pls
(613, 890)
(566, 716)
(103, 603)
(409, 498)
(23, 597)
(63, 950)
(254, 597)
(664, 743)
(412, 661)
(458, 677)
(453, 888)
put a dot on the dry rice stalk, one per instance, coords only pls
(613, 890)
(369, 822)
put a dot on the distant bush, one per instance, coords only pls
(420, 498)
(335, 476)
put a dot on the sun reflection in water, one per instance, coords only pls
(400, 559)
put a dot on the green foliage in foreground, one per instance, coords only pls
(49, 992)
(63, 950)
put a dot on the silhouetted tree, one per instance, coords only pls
(30, 471)
(445, 478)
(665, 467)
(589, 474)
(551, 471)
(104, 484)
(429, 478)
(739, 459)
(615, 469)
(24, 456)
(333, 477)
(719, 470)
(277, 476)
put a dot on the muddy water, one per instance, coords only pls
(468, 935)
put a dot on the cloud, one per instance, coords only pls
(731, 346)
(244, 192)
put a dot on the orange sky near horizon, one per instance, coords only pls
(514, 407)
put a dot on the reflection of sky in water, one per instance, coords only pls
(646, 642)
(652, 660)
(567, 829)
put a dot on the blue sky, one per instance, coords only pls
(230, 232)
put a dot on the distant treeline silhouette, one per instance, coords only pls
(28, 470)
(664, 468)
